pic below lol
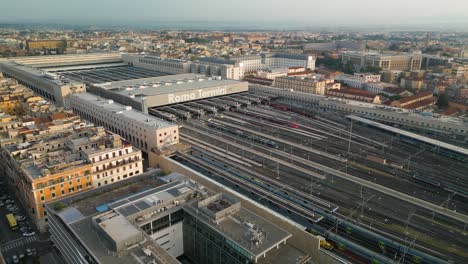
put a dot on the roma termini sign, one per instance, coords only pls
(195, 95)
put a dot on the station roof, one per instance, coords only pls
(163, 85)
(411, 135)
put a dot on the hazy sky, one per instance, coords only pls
(334, 12)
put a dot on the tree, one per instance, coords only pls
(442, 101)
(394, 46)
(373, 69)
(59, 206)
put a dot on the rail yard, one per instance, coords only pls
(372, 195)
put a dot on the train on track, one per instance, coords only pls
(296, 110)
(446, 186)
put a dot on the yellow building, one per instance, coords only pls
(60, 181)
(11, 104)
(60, 44)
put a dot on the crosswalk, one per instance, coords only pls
(18, 243)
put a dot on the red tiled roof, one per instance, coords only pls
(300, 73)
(415, 97)
(392, 89)
(419, 104)
(42, 120)
(355, 91)
(450, 111)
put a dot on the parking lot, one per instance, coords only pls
(24, 244)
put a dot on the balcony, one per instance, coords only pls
(118, 164)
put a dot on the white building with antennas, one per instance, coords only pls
(143, 131)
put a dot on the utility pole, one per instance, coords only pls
(350, 133)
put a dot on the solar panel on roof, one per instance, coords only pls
(128, 210)
(142, 205)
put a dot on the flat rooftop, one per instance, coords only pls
(147, 87)
(39, 74)
(61, 60)
(127, 111)
(94, 74)
(89, 202)
(100, 247)
(244, 228)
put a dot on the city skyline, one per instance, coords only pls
(257, 14)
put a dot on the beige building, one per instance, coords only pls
(301, 84)
(144, 131)
(368, 77)
(460, 71)
(390, 62)
(415, 83)
(462, 94)
(118, 161)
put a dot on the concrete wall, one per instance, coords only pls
(300, 239)
(171, 239)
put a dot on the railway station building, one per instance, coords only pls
(145, 93)
(144, 131)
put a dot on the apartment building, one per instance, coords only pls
(387, 62)
(392, 77)
(65, 163)
(58, 45)
(112, 158)
(41, 171)
(372, 87)
(368, 77)
(301, 84)
(12, 96)
(414, 83)
(51, 156)
(460, 71)
(462, 94)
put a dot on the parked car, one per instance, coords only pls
(15, 259)
(20, 256)
(20, 218)
(2, 203)
(25, 229)
(13, 209)
(31, 251)
(9, 201)
(29, 233)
